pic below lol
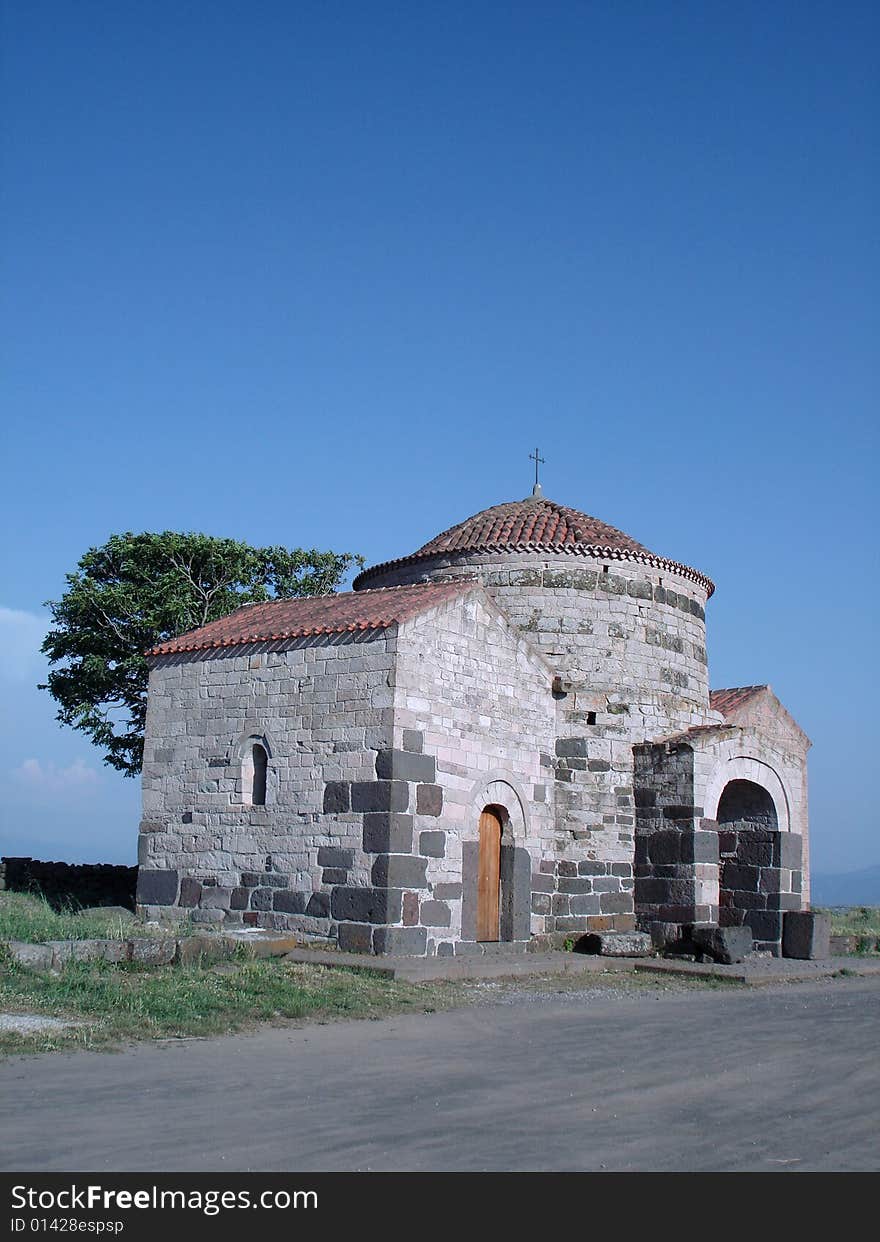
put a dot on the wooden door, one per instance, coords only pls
(489, 876)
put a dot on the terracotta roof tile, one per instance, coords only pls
(535, 525)
(726, 701)
(535, 521)
(281, 619)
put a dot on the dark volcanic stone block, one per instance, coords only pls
(435, 914)
(806, 935)
(572, 747)
(388, 832)
(157, 888)
(414, 740)
(331, 856)
(616, 903)
(736, 876)
(239, 898)
(400, 941)
(288, 902)
(379, 795)
(790, 850)
(754, 852)
(616, 944)
(334, 875)
(191, 891)
(404, 765)
(337, 797)
(447, 892)
(398, 871)
(586, 903)
(765, 924)
(429, 799)
(319, 906)
(577, 884)
(432, 844)
(723, 944)
(665, 847)
(274, 879)
(366, 905)
(700, 847)
(356, 937)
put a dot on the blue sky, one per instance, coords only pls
(324, 274)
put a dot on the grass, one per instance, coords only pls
(24, 916)
(854, 920)
(29, 917)
(861, 922)
(112, 1004)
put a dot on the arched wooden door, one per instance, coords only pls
(489, 877)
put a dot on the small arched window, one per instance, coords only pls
(254, 769)
(261, 760)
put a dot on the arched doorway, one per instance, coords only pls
(749, 871)
(489, 876)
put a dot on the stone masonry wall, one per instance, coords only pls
(323, 709)
(629, 636)
(774, 738)
(382, 750)
(628, 644)
(691, 869)
(480, 700)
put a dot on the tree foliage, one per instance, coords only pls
(140, 590)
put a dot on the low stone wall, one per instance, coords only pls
(70, 884)
(145, 950)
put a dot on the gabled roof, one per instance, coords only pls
(281, 619)
(741, 705)
(536, 524)
(726, 701)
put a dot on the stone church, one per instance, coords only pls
(504, 739)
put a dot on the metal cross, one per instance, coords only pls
(536, 459)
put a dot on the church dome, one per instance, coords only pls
(536, 522)
(533, 525)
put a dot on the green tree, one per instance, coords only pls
(140, 590)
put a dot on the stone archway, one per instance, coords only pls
(498, 826)
(735, 768)
(749, 871)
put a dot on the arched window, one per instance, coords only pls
(254, 770)
(260, 761)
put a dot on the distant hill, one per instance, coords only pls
(853, 888)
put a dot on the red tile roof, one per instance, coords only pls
(536, 525)
(281, 619)
(536, 521)
(726, 701)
